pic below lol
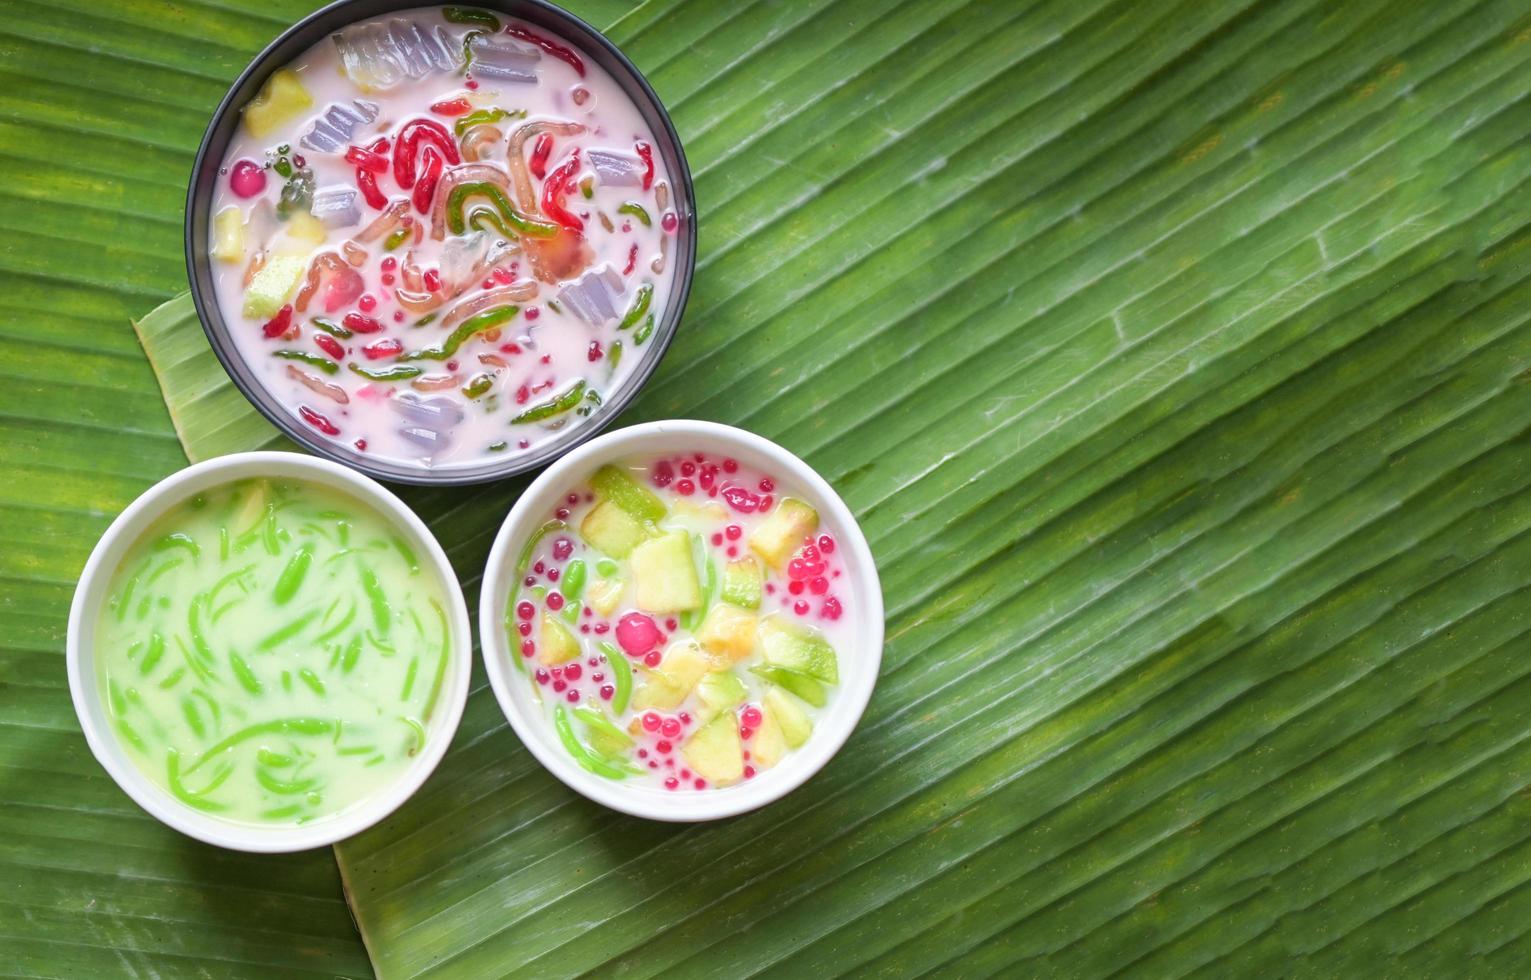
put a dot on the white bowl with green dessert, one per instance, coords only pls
(268, 652)
(681, 620)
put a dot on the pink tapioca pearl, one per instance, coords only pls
(669, 728)
(685, 487)
(700, 784)
(766, 503)
(584, 627)
(663, 747)
(600, 628)
(561, 513)
(730, 466)
(652, 658)
(529, 581)
(671, 782)
(766, 486)
(572, 499)
(818, 586)
(562, 549)
(685, 717)
(733, 532)
(643, 753)
(746, 733)
(542, 676)
(637, 633)
(553, 574)
(572, 672)
(539, 568)
(832, 608)
(525, 629)
(651, 721)
(528, 648)
(560, 686)
(717, 538)
(672, 624)
(800, 607)
(733, 551)
(688, 468)
(749, 772)
(573, 696)
(653, 764)
(663, 475)
(555, 601)
(795, 587)
(826, 544)
(685, 774)
(525, 610)
(608, 692)
(751, 716)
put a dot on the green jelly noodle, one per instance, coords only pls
(271, 652)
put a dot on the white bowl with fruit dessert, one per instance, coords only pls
(681, 620)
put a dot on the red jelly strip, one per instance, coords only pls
(430, 173)
(549, 45)
(330, 346)
(452, 107)
(318, 421)
(367, 160)
(541, 150)
(360, 323)
(646, 154)
(279, 324)
(387, 347)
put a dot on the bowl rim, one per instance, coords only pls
(152, 504)
(832, 728)
(667, 142)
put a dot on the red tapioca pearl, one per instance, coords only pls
(601, 628)
(528, 648)
(669, 763)
(587, 613)
(663, 747)
(398, 315)
(523, 395)
(770, 588)
(594, 352)
(529, 581)
(746, 755)
(432, 280)
(717, 538)
(819, 585)
(800, 607)
(663, 475)
(653, 764)
(361, 445)
(589, 498)
(367, 302)
(700, 784)
(826, 544)
(555, 601)
(643, 753)
(525, 610)
(712, 491)
(669, 728)
(584, 627)
(560, 686)
(558, 671)
(597, 677)
(390, 263)
(572, 672)
(685, 774)
(751, 716)
(573, 696)
(561, 513)
(749, 772)
(688, 468)
(832, 608)
(766, 486)
(700, 457)
(795, 587)
(542, 676)
(652, 659)
(651, 721)
(766, 503)
(523, 443)
(746, 733)
(733, 532)
(572, 499)
(730, 465)
(809, 553)
(592, 661)
(707, 479)
(525, 629)
(671, 783)
(685, 487)
(672, 624)
(539, 568)
(553, 574)
(563, 548)
(733, 552)
(532, 313)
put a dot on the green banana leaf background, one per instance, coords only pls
(1176, 359)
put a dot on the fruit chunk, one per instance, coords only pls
(743, 583)
(768, 744)
(665, 574)
(605, 738)
(801, 685)
(795, 726)
(728, 631)
(279, 100)
(306, 228)
(715, 752)
(782, 533)
(604, 595)
(229, 235)
(272, 285)
(555, 642)
(805, 652)
(667, 685)
(610, 529)
(721, 690)
(620, 488)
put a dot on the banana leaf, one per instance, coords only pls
(1174, 358)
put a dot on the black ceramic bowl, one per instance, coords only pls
(310, 31)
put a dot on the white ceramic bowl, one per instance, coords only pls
(91, 593)
(858, 666)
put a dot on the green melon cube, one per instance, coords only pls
(272, 285)
(619, 487)
(612, 530)
(798, 650)
(555, 644)
(715, 752)
(743, 583)
(719, 691)
(664, 574)
(784, 531)
(794, 722)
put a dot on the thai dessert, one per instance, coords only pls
(442, 236)
(271, 652)
(680, 620)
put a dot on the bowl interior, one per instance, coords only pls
(859, 664)
(91, 594)
(220, 132)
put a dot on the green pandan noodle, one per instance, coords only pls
(271, 652)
